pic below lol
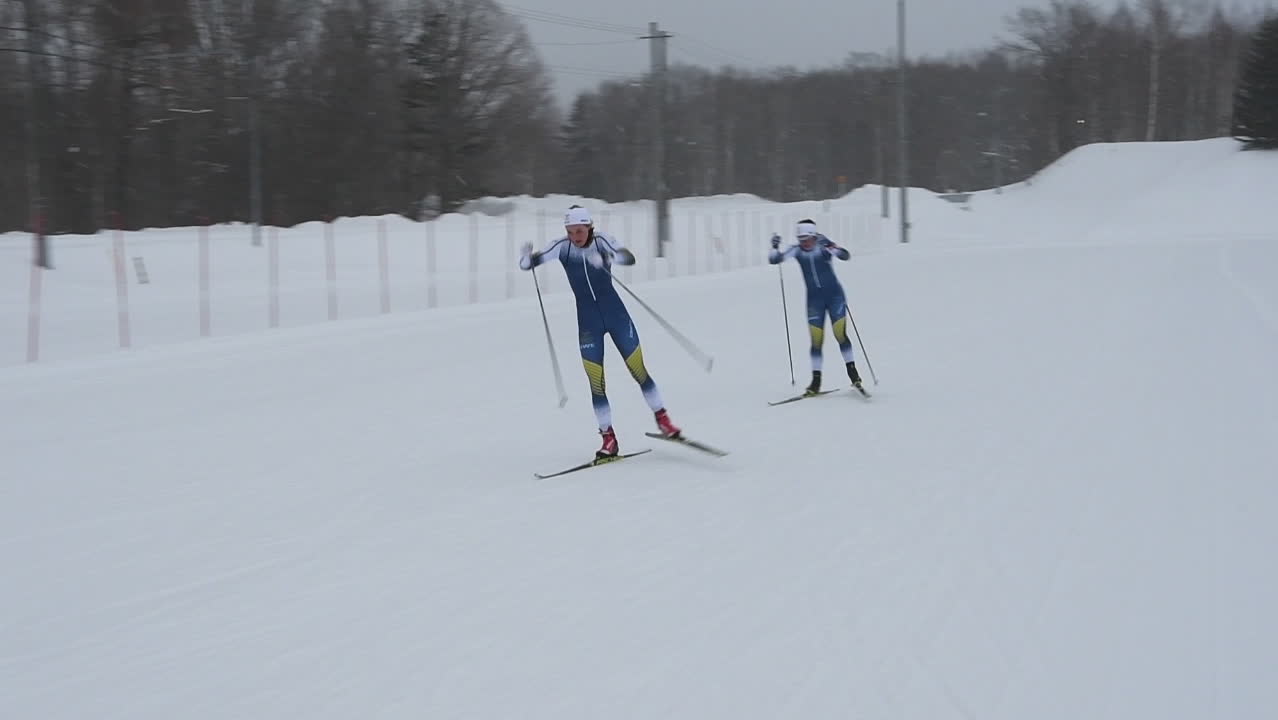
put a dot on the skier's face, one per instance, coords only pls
(807, 242)
(579, 234)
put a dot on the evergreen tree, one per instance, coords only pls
(583, 173)
(1256, 97)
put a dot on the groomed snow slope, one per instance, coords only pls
(1058, 505)
(1205, 188)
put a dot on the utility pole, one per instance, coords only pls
(255, 161)
(998, 141)
(880, 164)
(657, 45)
(35, 95)
(255, 130)
(902, 155)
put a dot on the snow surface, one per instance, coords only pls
(1058, 504)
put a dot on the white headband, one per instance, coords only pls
(805, 229)
(577, 216)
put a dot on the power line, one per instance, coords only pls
(702, 44)
(697, 57)
(575, 19)
(571, 21)
(578, 44)
(594, 72)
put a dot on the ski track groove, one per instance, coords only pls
(1259, 308)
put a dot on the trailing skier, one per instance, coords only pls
(815, 254)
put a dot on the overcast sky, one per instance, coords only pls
(586, 41)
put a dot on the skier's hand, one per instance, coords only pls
(776, 241)
(596, 258)
(533, 258)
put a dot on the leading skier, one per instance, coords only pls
(587, 256)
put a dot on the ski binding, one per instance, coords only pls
(690, 443)
(592, 463)
(804, 396)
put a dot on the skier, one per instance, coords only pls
(815, 253)
(587, 256)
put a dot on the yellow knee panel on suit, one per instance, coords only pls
(818, 334)
(595, 372)
(841, 330)
(635, 363)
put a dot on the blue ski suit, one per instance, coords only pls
(600, 312)
(824, 293)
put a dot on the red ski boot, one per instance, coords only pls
(666, 427)
(609, 449)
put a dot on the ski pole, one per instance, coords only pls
(554, 361)
(785, 313)
(705, 360)
(864, 354)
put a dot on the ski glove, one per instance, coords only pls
(776, 241)
(597, 258)
(534, 257)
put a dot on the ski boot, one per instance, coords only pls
(855, 377)
(815, 387)
(666, 427)
(609, 449)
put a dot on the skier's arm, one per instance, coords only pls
(777, 255)
(529, 259)
(614, 249)
(828, 245)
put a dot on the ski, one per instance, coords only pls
(593, 463)
(797, 398)
(865, 394)
(690, 443)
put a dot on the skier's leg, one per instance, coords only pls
(838, 308)
(816, 329)
(592, 358)
(626, 338)
(839, 320)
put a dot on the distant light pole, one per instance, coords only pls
(36, 202)
(902, 155)
(657, 54)
(995, 153)
(248, 9)
(255, 164)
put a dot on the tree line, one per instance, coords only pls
(144, 113)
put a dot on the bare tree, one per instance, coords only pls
(154, 108)
(470, 69)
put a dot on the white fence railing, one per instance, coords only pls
(211, 281)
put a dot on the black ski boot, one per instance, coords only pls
(815, 387)
(855, 377)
